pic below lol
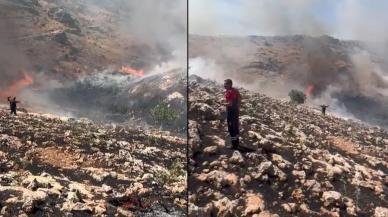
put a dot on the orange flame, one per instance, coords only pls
(131, 71)
(17, 86)
(310, 89)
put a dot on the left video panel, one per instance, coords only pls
(93, 108)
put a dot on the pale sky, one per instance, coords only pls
(348, 19)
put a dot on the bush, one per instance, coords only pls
(163, 113)
(174, 173)
(297, 97)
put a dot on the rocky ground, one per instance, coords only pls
(55, 166)
(304, 163)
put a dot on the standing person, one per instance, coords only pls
(233, 99)
(323, 109)
(12, 105)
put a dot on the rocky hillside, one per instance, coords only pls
(139, 102)
(349, 75)
(66, 38)
(304, 163)
(275, 56)
(91, 59)
(55, 166)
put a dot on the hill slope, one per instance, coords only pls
(57, 166)
(93, 59)
(305, 164)
(66, 38)
(351, 76)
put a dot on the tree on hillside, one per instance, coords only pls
(297, 97)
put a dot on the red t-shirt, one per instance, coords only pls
(232, 97)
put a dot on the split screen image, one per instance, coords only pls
(253, 108)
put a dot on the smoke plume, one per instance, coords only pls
(13, 62)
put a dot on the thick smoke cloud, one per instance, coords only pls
(281, 17)
(345, 19)
(12, 59)
(157, 22)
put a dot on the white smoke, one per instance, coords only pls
(368, 76)
(158, 22)
(345, 19)
(206, 68)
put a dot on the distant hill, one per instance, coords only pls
(349, 75)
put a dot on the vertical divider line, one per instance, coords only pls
(187, 107)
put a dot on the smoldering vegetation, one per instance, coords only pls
(154, 101)
(73, 52)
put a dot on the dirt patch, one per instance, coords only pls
(344, 145)
(60, 158)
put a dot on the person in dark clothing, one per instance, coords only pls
(233, 99)
(12, 104)
(323, 109)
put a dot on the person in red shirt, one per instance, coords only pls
(233, 99)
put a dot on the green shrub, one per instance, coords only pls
(173, 174)
(163, 113)
(297, 97)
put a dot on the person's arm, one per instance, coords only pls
(226, 102)
(238, 99)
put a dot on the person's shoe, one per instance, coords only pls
(244, 149)
(235, 144)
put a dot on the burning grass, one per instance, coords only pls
(17, 86)
(126, 70)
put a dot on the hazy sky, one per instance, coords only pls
(350, 19)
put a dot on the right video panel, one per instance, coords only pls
(288, 108)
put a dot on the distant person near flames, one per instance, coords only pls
(323, 109)
(12, 105)
(233, 99)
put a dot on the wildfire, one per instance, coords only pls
(131, 71)
(309, 90)
(17, 86)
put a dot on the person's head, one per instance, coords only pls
(14, 98)
(228, 84)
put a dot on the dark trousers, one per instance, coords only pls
(233, 126)
(13, 111)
